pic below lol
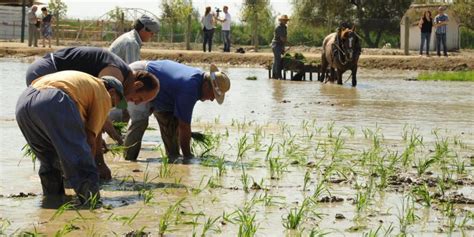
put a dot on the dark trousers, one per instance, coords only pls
(52, 126)
(226, 38)
(441, 39)
(168, 129)
(277, 67)
(208, 34)
(425, 37)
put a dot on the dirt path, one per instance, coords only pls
(370, 58)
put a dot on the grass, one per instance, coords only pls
(447, 76)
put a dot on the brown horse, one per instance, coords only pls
(341, 51)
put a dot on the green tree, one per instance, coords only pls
(372, 17)
(257, 16)
(59, 9)
(176, 12)
(465, 11)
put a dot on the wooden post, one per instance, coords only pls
(269, 73)
(188, 33)
(23, 23)
(406, 21)
(56, 32)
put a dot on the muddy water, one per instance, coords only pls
(383, 100)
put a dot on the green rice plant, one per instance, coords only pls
(380, 231)
(257, 138)
(277, 167)
(221, 167)
(244, 178)
(4, 224)
(66, 229)
(120, 127)
(468, 218)
(406, 215)
(306, 179)
(458, 142)
(269, 200)
(34, 233)
(243, 147)
(269, 150)
(338, 145)
(422, 165)
(316, 232)
(441, 148)
(422, 194)
(460, 165)
(330, 129)
(28, 153)
(447, 209)
(166, 218)
(117, 150)
(63, 208)
(447, 76)
(247, 223)
(350, 130)
(165, 168)
(147, 195)
(320, 189)
(126, 220)
(209, 225)
(296, 216)
(200, 187)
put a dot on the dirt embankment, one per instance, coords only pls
(370, 58)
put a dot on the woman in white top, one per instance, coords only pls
(208, 21)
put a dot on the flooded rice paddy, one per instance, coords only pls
(282, 159)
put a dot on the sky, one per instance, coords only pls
(92, 9)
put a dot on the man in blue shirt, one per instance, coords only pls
(441, 22)
(181, 87)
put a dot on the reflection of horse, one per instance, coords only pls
(341, 51)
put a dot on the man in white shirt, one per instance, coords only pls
(226, 29)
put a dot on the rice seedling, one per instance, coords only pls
(458, 142)
(28, 153)
(66, 229)
(247, 223)
(296, 215)
(4, 224)
(422, 194)
(147, 195)
(244, 178)
(243, 147)
(306, 179)
(209, 225)
(165, 168)
(315, 232)
(380, 231)
(269, 200)
(126, 220)
(269, 150)
(116, 150)
(34, 233)
(460, 165)
(422, 165)
(330, 129)
(350, 130)
(120, 127)
(165, 220)
(447, 209)
(221, 167)
(406, 215)
(320, 189)
(63, 208)
(277, 167)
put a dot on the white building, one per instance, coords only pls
(415, 12)
(10, 17)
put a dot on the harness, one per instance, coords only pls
(338, 52)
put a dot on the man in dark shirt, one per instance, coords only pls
(278, 46)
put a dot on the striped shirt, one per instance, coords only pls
(438, 19)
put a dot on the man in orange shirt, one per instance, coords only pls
(60, 116)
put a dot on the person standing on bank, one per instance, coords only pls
(46, 26)
(60, 115)
(425, 24)
(278, 45)
(181, 87)
(226, 28)
(440, 22)
(208, 22)
(33, 27)
(127, 47)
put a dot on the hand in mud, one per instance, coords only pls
(104, 172)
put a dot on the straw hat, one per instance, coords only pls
(220, 83)
(283, 18)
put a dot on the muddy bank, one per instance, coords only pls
(370, 58)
